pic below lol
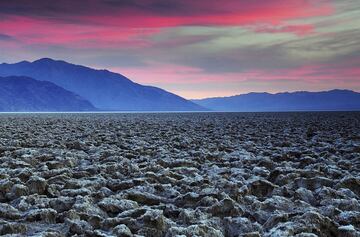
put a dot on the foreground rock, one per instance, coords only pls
(180, 175)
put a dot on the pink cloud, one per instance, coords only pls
(171, 73)
(127, 26)
(186, 80)
(154, 73)
(38, 31)
(131, 25)
(231, 13)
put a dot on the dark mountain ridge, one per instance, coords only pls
(104, 89)
(24, 94)
(333, 100)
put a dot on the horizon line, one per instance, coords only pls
(174, 92)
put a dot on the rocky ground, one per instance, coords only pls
(207, 174)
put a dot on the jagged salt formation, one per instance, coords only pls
(180, 175)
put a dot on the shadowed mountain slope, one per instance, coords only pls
(23, 94)
(334, 100)
(104, 89)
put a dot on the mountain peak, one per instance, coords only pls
(332, 100)
(105, 90)
(43, 60)
(342, 90)
(47, 60)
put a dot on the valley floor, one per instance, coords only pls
(190, 174)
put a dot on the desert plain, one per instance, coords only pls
(180, 174)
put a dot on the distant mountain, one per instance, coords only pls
(104, 89)
(23, 94)
(334, 100)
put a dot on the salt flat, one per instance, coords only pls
(180, 174)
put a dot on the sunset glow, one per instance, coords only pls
(194, 48)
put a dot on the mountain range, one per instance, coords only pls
(104, 89)
(53, 85)
(333, 100)
(20, 94)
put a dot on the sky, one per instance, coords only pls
(194, 48)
